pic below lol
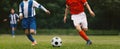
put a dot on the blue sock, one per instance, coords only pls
(30, 37)
(13, 32)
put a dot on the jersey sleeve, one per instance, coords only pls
(17, 15)
(9, 17)
(37, 5)
(20, 10)
(84, 1)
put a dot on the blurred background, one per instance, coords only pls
(106, 21)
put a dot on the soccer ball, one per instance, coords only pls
(56, 41)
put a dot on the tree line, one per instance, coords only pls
(107, 14)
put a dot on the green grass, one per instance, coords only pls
(64, 32)
(69, 42)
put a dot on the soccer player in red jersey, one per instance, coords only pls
(78, 16)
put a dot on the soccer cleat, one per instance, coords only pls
(34, 43)
(89, 42)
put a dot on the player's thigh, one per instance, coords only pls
(25, 23)
(76, 23)
(12, 26)
(84, 24)
(32, 30)
(15, 25)
(32, 26)
(78, 27)
(27, 31)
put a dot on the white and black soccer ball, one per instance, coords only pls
(56, 41)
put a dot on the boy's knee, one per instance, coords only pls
(26, 31)
(32, 30)
(85, 29)
(78, 28)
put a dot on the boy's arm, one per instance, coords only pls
(66, 12)
(47, 11)
(35, 4)
(18, 17)
(20, 12)
(6, 19)
(89, 9)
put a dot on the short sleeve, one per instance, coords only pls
(35, 4)
(83, 1)
(17, 15)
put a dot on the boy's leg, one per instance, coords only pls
(32, 31)
(30, 37)
(32, 27)
(77, 19)
(13, 30)
(83, 34)
(80, 28)
(26, 26)
(84, 27)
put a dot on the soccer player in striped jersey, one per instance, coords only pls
(78, 16)
(13, 17)
(27, 14)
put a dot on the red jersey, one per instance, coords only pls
(76, 6)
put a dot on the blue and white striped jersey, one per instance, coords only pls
(27, 8)
(13, 18)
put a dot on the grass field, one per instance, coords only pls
(69, 42)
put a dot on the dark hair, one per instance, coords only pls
(11, 9)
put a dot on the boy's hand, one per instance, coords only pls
(65, 19)
(89, 9)
(48, 12)
(18, 20)
(92, 13)
(21, 17)
(4, 20)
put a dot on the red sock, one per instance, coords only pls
(83, 35)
